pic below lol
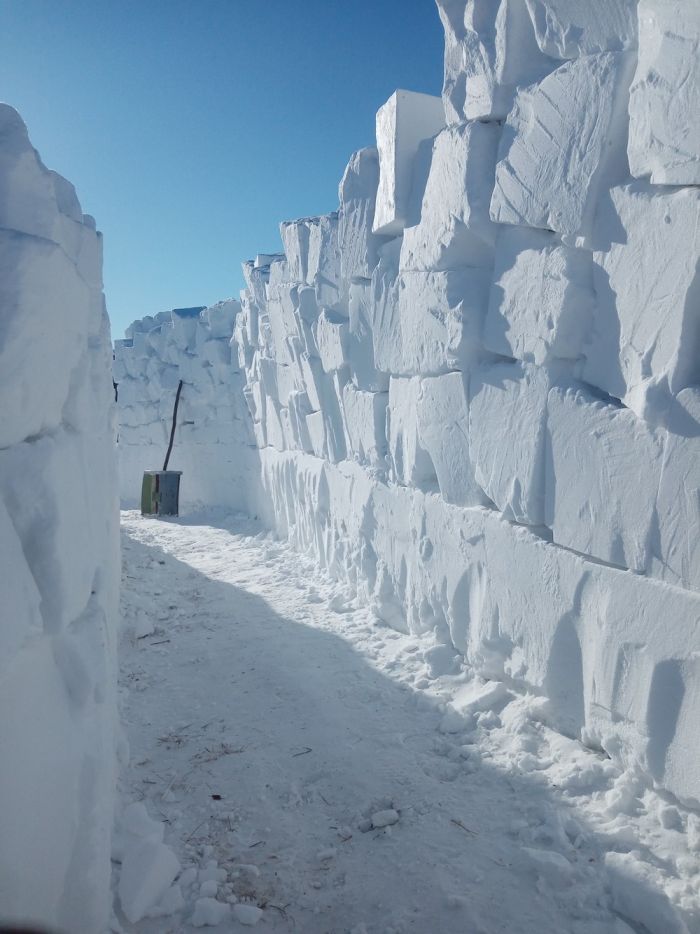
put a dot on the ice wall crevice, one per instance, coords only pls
(472, 389)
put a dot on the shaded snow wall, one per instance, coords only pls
(475, 387)
(60, 552)
(214, 445)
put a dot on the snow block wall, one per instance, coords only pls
(476, 386)
(214, 444)
(59, 550)
(474, 389)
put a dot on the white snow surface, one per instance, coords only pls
(59, 562)
(315, 770)
(473, 390)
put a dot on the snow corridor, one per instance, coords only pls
(312, 771)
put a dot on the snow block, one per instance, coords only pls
(490, 49)
(256, 279)
(220, 319)
(455, 228)
(592, 507)
(507, 414)
(569, 29)
(365, 424)
(147, 872)
(40, 291)
(676, 549)
(281, 302)
(324, 262)
(646, 324)
(364, 373)
(428, 322)
(403, 123)
(295, 237)
(410, 463)
(357, 193)
(541, 300)
(332, 341)
(40, 203)
(563, 143)
(313, 257)
(664, 134)
(443, 429)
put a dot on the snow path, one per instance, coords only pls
(268, 716)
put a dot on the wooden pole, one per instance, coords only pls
(172, 430)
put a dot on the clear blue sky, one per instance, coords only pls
(190, 128)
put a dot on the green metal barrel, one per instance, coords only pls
(160, 493)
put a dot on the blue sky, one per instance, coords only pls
(190, 128)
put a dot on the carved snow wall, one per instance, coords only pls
(474, 388)
(59, 551)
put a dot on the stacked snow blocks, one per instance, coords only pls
(59, 551)
(213, 444)
(474, 387)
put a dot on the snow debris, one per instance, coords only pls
(209, 888)
(249, 915)
(147, 871)
(208, 912)
(384, 818)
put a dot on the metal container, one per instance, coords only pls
(160, 492)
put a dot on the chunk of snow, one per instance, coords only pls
(541, 301)
(148, 869)
(664, 134)
(248, 915)
(455, 228)
(331, 338)
(636, 897)
(135, 825)
(490, 49)
(591, 505)
(357, 193)
(208, 912)
(646, 319)
(552, 866)
(563, 143)
(507, 417)
(443, 429)
(384, 818)
(568, 29)
(169, 904)
(403, 122)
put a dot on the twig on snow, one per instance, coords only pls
(189, 836)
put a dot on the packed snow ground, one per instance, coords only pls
(306, 760)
